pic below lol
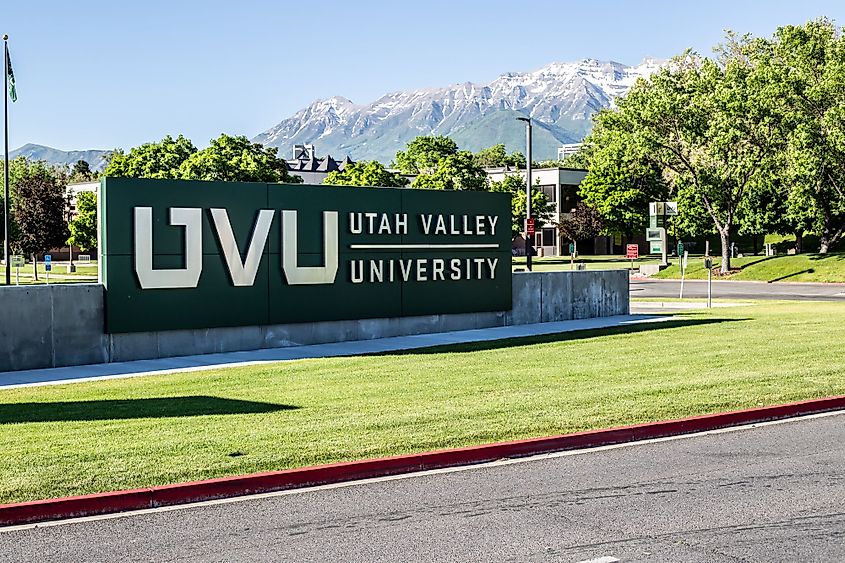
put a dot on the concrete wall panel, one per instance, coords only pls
(60, 325)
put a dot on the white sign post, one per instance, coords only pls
(683, 271)
(17, 261)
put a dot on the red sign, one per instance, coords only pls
(632, 252)
(529, 226)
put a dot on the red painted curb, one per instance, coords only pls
(180, 493)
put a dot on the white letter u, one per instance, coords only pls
(299, 275)
(189, 276)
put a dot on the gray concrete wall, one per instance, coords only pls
(51, 325)
(61, 325)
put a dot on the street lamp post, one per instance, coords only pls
(527, 121)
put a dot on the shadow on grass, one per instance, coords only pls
(787, 276)
(757, 261)
(558, 337)
(121, 409)
(831, 256)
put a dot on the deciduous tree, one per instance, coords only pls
(423, 154)
(541, 209)
(152, 160)
(802, 70)
(236, 159)
(38, 208)
(498, 156)
(365, 173)
(83, 227)
(583, 223)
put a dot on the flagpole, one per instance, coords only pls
(6, 159)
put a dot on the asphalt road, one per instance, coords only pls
(738, 290)
(770, 493)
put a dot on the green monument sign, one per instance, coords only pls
(184, 254)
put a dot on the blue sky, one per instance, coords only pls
(111, 74)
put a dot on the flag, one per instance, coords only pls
(10, 76)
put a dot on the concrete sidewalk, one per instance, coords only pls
(75, 374)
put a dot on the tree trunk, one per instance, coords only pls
(824, 244)
(799, 241)
(725, 235)
(34, 267)
(828, 239)
(754, 243)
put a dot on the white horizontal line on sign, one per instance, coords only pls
(420, 246)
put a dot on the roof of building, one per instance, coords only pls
(317, 164)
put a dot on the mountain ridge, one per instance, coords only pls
(561, 97)
(95, 158)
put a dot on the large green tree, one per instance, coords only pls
(454, 172)
(707, 129)
(365, 173)
(38, 207)
(541, 209)
(152, 160)
(236, 159)
(583, 223)
(802, 70)
(81, 172)
(621, 180)
(423, 154)
(438, 164)
(83, 227)
(497, 156)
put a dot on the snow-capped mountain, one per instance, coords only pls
(560, 97)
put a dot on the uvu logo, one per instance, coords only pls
(241, 271)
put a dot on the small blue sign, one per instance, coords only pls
(48, 266)
(48, 258)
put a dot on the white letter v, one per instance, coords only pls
(241, 271)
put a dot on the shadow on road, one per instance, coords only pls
(121, 409)
(559, 337)
(807, 271)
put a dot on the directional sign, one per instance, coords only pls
(529, 226)
(632, 252)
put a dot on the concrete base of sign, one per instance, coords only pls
(651, 269)
(62, 325)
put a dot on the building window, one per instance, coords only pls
(548, 237)
(569, 197)
(550, 191)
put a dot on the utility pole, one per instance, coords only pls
(527, 120)
(6, 159)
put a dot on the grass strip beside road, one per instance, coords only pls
(823, 268)
(127, 433)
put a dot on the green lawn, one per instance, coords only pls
(85, 273)
(126, 433)
(597, 262)
(797, 268)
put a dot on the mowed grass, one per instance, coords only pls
(824, 268)
(597, 262)
(137, 432)
(85, 273)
